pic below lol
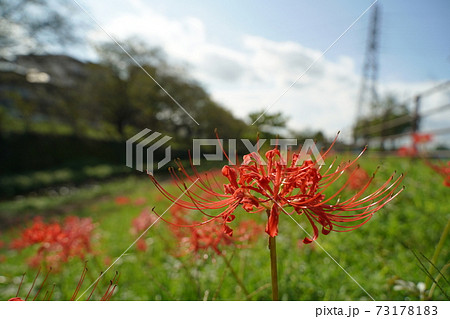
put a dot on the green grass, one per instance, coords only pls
(375, 255)
(18, 184)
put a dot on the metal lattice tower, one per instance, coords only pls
(368, 95)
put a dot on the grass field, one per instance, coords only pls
(376, 255)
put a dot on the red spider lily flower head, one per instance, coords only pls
(419, 138)
(141, 245)
(210, 235)
(407, 151)
(122, 200)
(276, 185)
(358, 177)
(105, 297)
(140, 201)
(16, 299)
(39, 232)
(442, 169)
(197, 239)
(247, 232)
(57, 242)
(78, 236)
(140, 224)
(142, 221)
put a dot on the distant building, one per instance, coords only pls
(38, 83)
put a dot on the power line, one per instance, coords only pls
(404, 119)
(436, 110)
(428, 91)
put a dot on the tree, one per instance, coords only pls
(35, 25)
(212, 116)
(268, 124)
(125, 92)
(143, 95)
(389, 117)
(119, 61)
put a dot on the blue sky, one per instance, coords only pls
(246, 53)
(409, 30)
(414, 34)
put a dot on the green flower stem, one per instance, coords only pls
(273, 267)
(434, 285)
(437, 252)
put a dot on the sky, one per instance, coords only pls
(248, 54)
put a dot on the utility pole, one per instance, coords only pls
(368, 95)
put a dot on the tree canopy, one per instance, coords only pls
(388, 117)
(34, 26)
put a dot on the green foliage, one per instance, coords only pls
(317, 136)
(42, 181)
(388, 117)
(35, 25)
(115, 98)
(268, 124)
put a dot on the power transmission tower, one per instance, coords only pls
(368, 95)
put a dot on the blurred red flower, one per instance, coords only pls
(407, 151)
(419, 138)
(140, 201)
(122, 200)
(358, 177)
(142, 221)
(210, 235)
(141, 245)
(442, 169)
(140, 224)
(57, 242)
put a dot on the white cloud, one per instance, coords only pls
(178, 37)
(253, 76)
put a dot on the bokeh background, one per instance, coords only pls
(79, 78)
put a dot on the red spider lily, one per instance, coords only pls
(140, 201)
(141, 245)
(122, 200)
(358, 177)
(443, 170)
(39, 232)
(140, 224)
(407, 151)
(105, 297)
(281, 186)
(421, 138)
(210, 235)
(57, 242)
